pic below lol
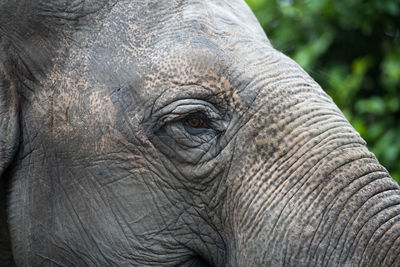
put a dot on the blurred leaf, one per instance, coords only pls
(360, 126)
(307, 54)
(390, 68)
(373, 105)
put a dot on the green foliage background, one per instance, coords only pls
(352, 49)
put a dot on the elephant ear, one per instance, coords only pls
(9, 139)
(31, 33)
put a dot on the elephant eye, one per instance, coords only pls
(197, 123)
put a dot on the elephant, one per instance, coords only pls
(173, 133)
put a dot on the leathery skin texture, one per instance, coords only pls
(172, 133)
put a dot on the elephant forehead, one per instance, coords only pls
(161, 73)
(155, 46)
(191, 65)
(140, 24)
(155, 50)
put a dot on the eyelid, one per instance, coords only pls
(182, 108)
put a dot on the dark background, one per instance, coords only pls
(352, 49)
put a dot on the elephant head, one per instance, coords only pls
(163, 133)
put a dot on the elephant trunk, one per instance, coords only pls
(356, 223)
(314, 196)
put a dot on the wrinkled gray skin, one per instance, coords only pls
(102, 167)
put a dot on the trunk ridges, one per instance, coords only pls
(314, 208)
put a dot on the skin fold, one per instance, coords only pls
(172, 133)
